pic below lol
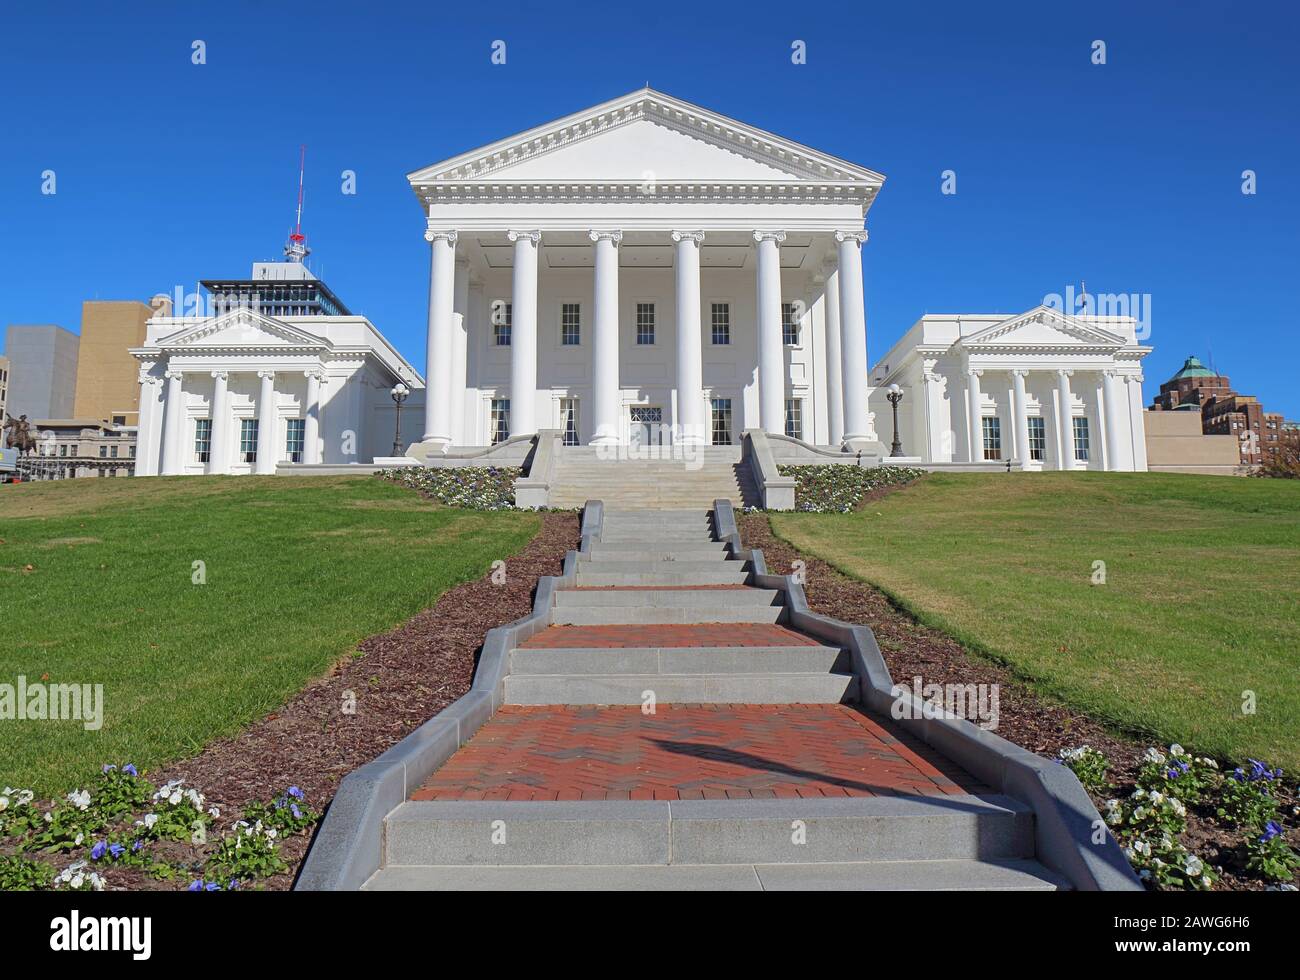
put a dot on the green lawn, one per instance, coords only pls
(1201, 602)
(297, 572)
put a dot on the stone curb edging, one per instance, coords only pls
(1065, 819)
(348, 846)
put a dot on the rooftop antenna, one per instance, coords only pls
(295, 249)
(1083, 295)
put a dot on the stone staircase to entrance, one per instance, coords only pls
(663, 483)
(670, 731)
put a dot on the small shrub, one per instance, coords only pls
(249, 852)
(1147, 813)
(178, 814)
(121, 791)
(1165, 862)
(472, 487)
(838, 488)
(1179, 774)
(288, 813)
(17, 815)
(18, 873)
(1269, 855)
(1089, 765)
(1246, 798)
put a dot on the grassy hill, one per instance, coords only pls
(1194, 637)
(102, 584)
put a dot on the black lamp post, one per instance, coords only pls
(895, 396)
(399, 393)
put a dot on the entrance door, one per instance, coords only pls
(647, 425)
(721, 427)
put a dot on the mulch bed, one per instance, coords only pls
(400, 679)
(1026, 717)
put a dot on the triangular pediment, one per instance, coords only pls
(1043, 326)
(243, 328)
(645, 135)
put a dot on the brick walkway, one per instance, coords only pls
(669, 635)
(715, 751)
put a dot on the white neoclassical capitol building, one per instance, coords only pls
(644, 271)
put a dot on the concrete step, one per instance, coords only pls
(678, 660)
(612, 566)
(954, 827)
(713, 576)
(645, 615)
(656, 535)
(666, 598)
(1004, 875)
(764, 688)
(642, 551)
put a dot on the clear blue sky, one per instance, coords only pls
(1127, 175)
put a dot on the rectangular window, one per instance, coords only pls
(789, 325)
(569, 420)
(794, 418)
(570, 325)
(248, 440)
(63, 449)
(721, 430)
(645, 324)
(1037, 438)
(992, 437)
(501, 316)
(721, 320)
(499, 420)
(103, 452)
(73, 450)
(294, 432)
(112, 451)
(1080, 438)
(202, 440)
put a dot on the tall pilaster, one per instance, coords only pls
(311, 419)
(834, 363)
(1064, 421)
(1112, 406)
(1020, 412)
(974, 416)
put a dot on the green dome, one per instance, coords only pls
(1193, 368)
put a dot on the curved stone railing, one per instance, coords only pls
(1066, 824)
(348, 846)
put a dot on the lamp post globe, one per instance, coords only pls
(895, 395)
(399, 393)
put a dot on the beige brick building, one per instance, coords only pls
(108, 377)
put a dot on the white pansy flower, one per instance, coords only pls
(1154, 755)
(1176, 750)
(1157, 798)
(4, 803)
(79, 798)
(149, 820)
(1206, 881)
(1194, 866)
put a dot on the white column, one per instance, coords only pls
(1065, 441)
(437, 375)
(691, 426)
(974, 427)
(267, 419)
(459, 352)
(523, 334)
(147, 448)
(853, 340)
(834, 365)
(1111, 408)
(173, 409)
(604, 341)
(311, 419)
(1020, 413)
(771, 349)
(219, 450)
(1137, 421)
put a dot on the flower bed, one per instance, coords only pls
(471, 487)
(1151, 822)
(125, 829)
(839, 488)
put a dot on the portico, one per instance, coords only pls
(646, 270)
